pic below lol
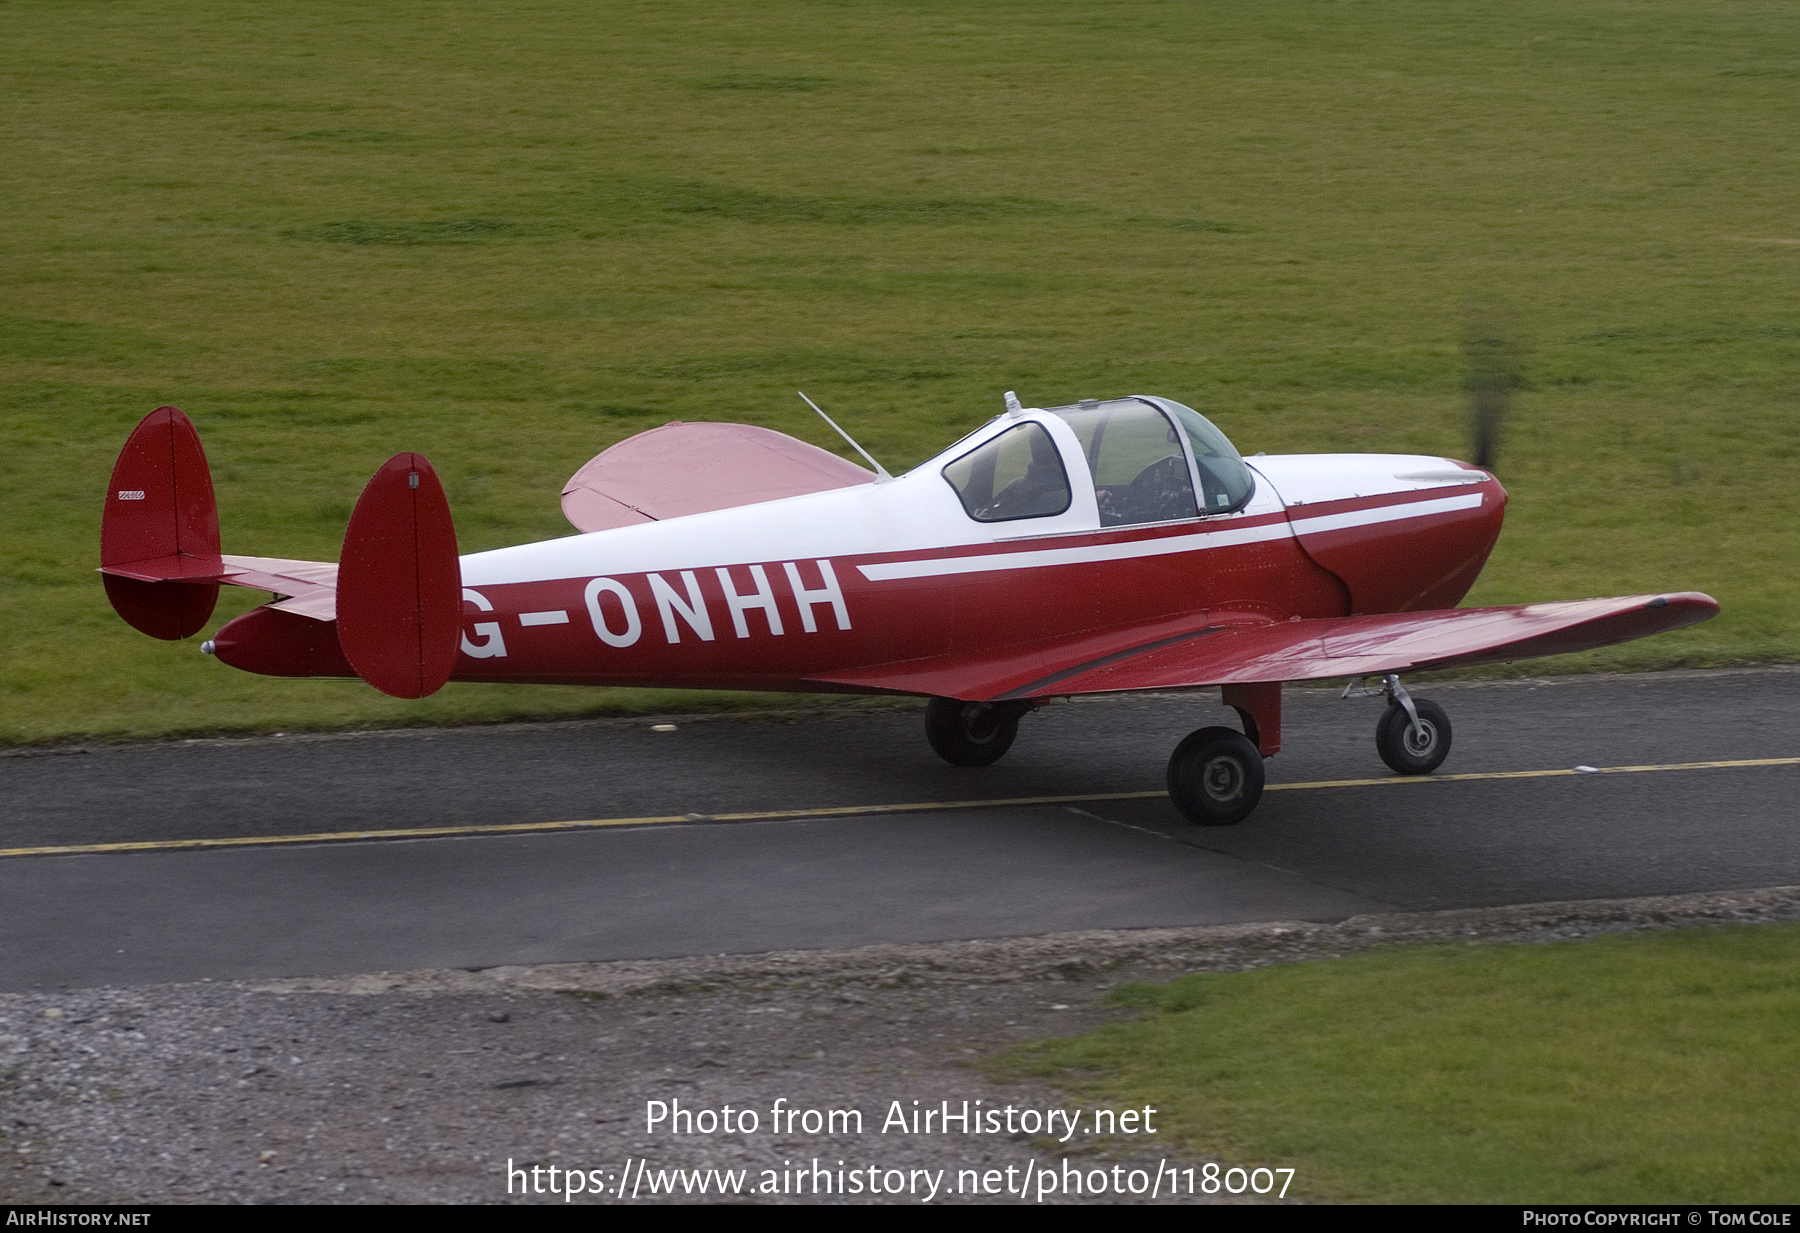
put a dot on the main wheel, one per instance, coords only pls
(1215, 777)
(1411, 750)
(971, 733)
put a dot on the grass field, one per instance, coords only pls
(1645, 1068)
(509, 235)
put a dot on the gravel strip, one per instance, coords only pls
(423, 1086)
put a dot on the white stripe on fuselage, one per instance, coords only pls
(1383, 513)
(939, 566)
(1039, 559)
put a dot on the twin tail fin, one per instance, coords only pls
(395, 603)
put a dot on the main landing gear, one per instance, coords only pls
(1215, 777)
(1216, 774)
(972, 733)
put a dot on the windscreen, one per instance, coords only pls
(1225, 482)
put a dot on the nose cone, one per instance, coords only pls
(1445, 553)
(1405, 533)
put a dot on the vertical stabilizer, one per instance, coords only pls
(161, 525)
(399, 583)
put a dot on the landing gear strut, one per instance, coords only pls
(972, 733)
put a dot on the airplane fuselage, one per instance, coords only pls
(841, 591)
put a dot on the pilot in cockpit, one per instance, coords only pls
(1140, 472)
(1043, 489)
(1160, 492)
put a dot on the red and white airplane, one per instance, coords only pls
(1105, 546)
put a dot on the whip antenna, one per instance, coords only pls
(881, 474)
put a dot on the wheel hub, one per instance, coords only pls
(1420, 738)
(981, 724)
(1223, 779)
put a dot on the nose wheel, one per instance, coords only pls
(1413, 737)
(1215, 777)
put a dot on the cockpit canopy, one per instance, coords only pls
(1146, 457)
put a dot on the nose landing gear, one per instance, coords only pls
(1413, 737)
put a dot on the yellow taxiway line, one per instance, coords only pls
(838, 811)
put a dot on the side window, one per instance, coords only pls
(1140, 471)
(1016, 475)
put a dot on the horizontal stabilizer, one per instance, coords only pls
(1225, 651)
(399, 582)
(310, 587)
(683, 469)
(161, 516)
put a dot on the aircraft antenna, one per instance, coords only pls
(881, 473)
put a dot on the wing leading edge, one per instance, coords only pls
(1224, 650)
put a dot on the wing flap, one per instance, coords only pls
(1031, 670)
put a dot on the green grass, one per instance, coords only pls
(508, 236)
(1643, 1068)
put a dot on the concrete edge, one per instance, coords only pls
(1168, 951)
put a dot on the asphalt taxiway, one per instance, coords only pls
(136, 864)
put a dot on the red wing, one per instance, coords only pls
(692, 468)
(1223, 654)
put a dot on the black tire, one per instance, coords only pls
(1411, 752)
(971, 733)
(1215, 777)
